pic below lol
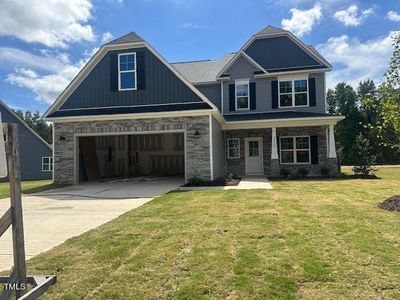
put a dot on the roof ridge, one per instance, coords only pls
(191, 61)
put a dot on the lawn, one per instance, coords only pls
(28, 187)
(313, 239)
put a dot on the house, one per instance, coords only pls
(258, 111)
(36, 155)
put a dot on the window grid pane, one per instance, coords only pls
(242, 102)
(300, 86)
(233, 148)
(285, 87)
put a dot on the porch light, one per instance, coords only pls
(62, 138)
(197, 132)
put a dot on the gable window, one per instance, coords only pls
(293, 93)
(295, 150)
(233, 147)
(127, 71)
(47, 164)
(242, 94)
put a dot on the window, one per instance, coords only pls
(253, 149)
(47, 164)
(234, 148)
(242, 94)
(293, 93)
(127, 71)
(295, 150)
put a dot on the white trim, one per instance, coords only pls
(332, 144)
(294, 150)
(52, 150)
(275, 74)
(227, 148)
(211, 150)
(293, 93)
(128, 71)
(274, 146)
(222, 97)
(242, 82)
(49, 164)
(97, 58)
(23, 123)
(260, 152)
(235, 58)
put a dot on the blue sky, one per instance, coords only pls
(43, 44)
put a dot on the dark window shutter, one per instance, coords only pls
(253, 101)
(311, 92)
(113, 71)
(314, 149)
(279, 147)
(140, 70)
(232, 97)
(274, 93)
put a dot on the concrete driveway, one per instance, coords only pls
(52, 217)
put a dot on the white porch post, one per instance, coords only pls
(274, 150)
(332, 146)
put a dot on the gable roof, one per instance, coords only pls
(6, 107)
(271, 30)
(131, 37)
(203, 70)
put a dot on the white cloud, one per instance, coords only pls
(106, 37)
(355, 60)
(302, 21)
(393, 16)
(48, 86)
(352, 16)
(52, 23)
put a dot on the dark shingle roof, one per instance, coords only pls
(202, 71)
(129, 110)
(271, 30)
(274, 115)
(131, 37)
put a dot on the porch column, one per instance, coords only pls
(274, 144)
(332, 146)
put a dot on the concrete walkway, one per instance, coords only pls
(52, 217)
(247, 183)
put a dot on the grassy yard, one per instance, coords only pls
(28, 187)
(314, 239)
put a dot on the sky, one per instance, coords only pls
(44, 44)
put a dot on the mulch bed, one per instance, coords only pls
(391, 204)
(232, 182)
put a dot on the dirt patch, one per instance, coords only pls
(391, 204)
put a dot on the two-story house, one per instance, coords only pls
(129, 112)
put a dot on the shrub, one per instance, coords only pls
(193, 181)
(364, 159)
(324, 171)
(285, 173)
(228, 176)
(302, 172)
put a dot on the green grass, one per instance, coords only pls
(28, 187)
(314, 239)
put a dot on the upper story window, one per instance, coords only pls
(242, 94)
(293, 93)
(127, 71)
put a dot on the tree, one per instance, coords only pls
(364, 159)
(34, 121)
(368, 98)
(343, 101)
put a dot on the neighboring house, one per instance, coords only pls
(255, 112)
(36, 155)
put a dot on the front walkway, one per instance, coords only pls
(52, 217)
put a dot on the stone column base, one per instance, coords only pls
(275, 168)
(333, 164)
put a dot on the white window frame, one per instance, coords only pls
(242, 82)
(227, 148)
(292, 80)
(294, 150)
(128, 71)
(50, 164)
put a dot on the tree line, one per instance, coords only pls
(371, 129)
(35, 122)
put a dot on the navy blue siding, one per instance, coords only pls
(279, 53)
(32, 149)
(212, 92)
(99, 90)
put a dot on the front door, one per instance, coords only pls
(254, 156)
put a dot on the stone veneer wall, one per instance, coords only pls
(272, 168)
(197, 147)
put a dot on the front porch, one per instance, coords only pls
(277, 150)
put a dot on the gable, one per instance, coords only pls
(241, 68)
(280, 54)
(161, 85)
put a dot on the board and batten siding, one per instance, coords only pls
(212, 92)
(218, 149)
(99, 88)
(243, 69)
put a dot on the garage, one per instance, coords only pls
(129, 156)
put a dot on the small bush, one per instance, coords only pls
(302, 172)
(363, 156)
(324, 171)
(228, 176)
(285, 173)
(194, 181)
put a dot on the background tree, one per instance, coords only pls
(34, 121)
